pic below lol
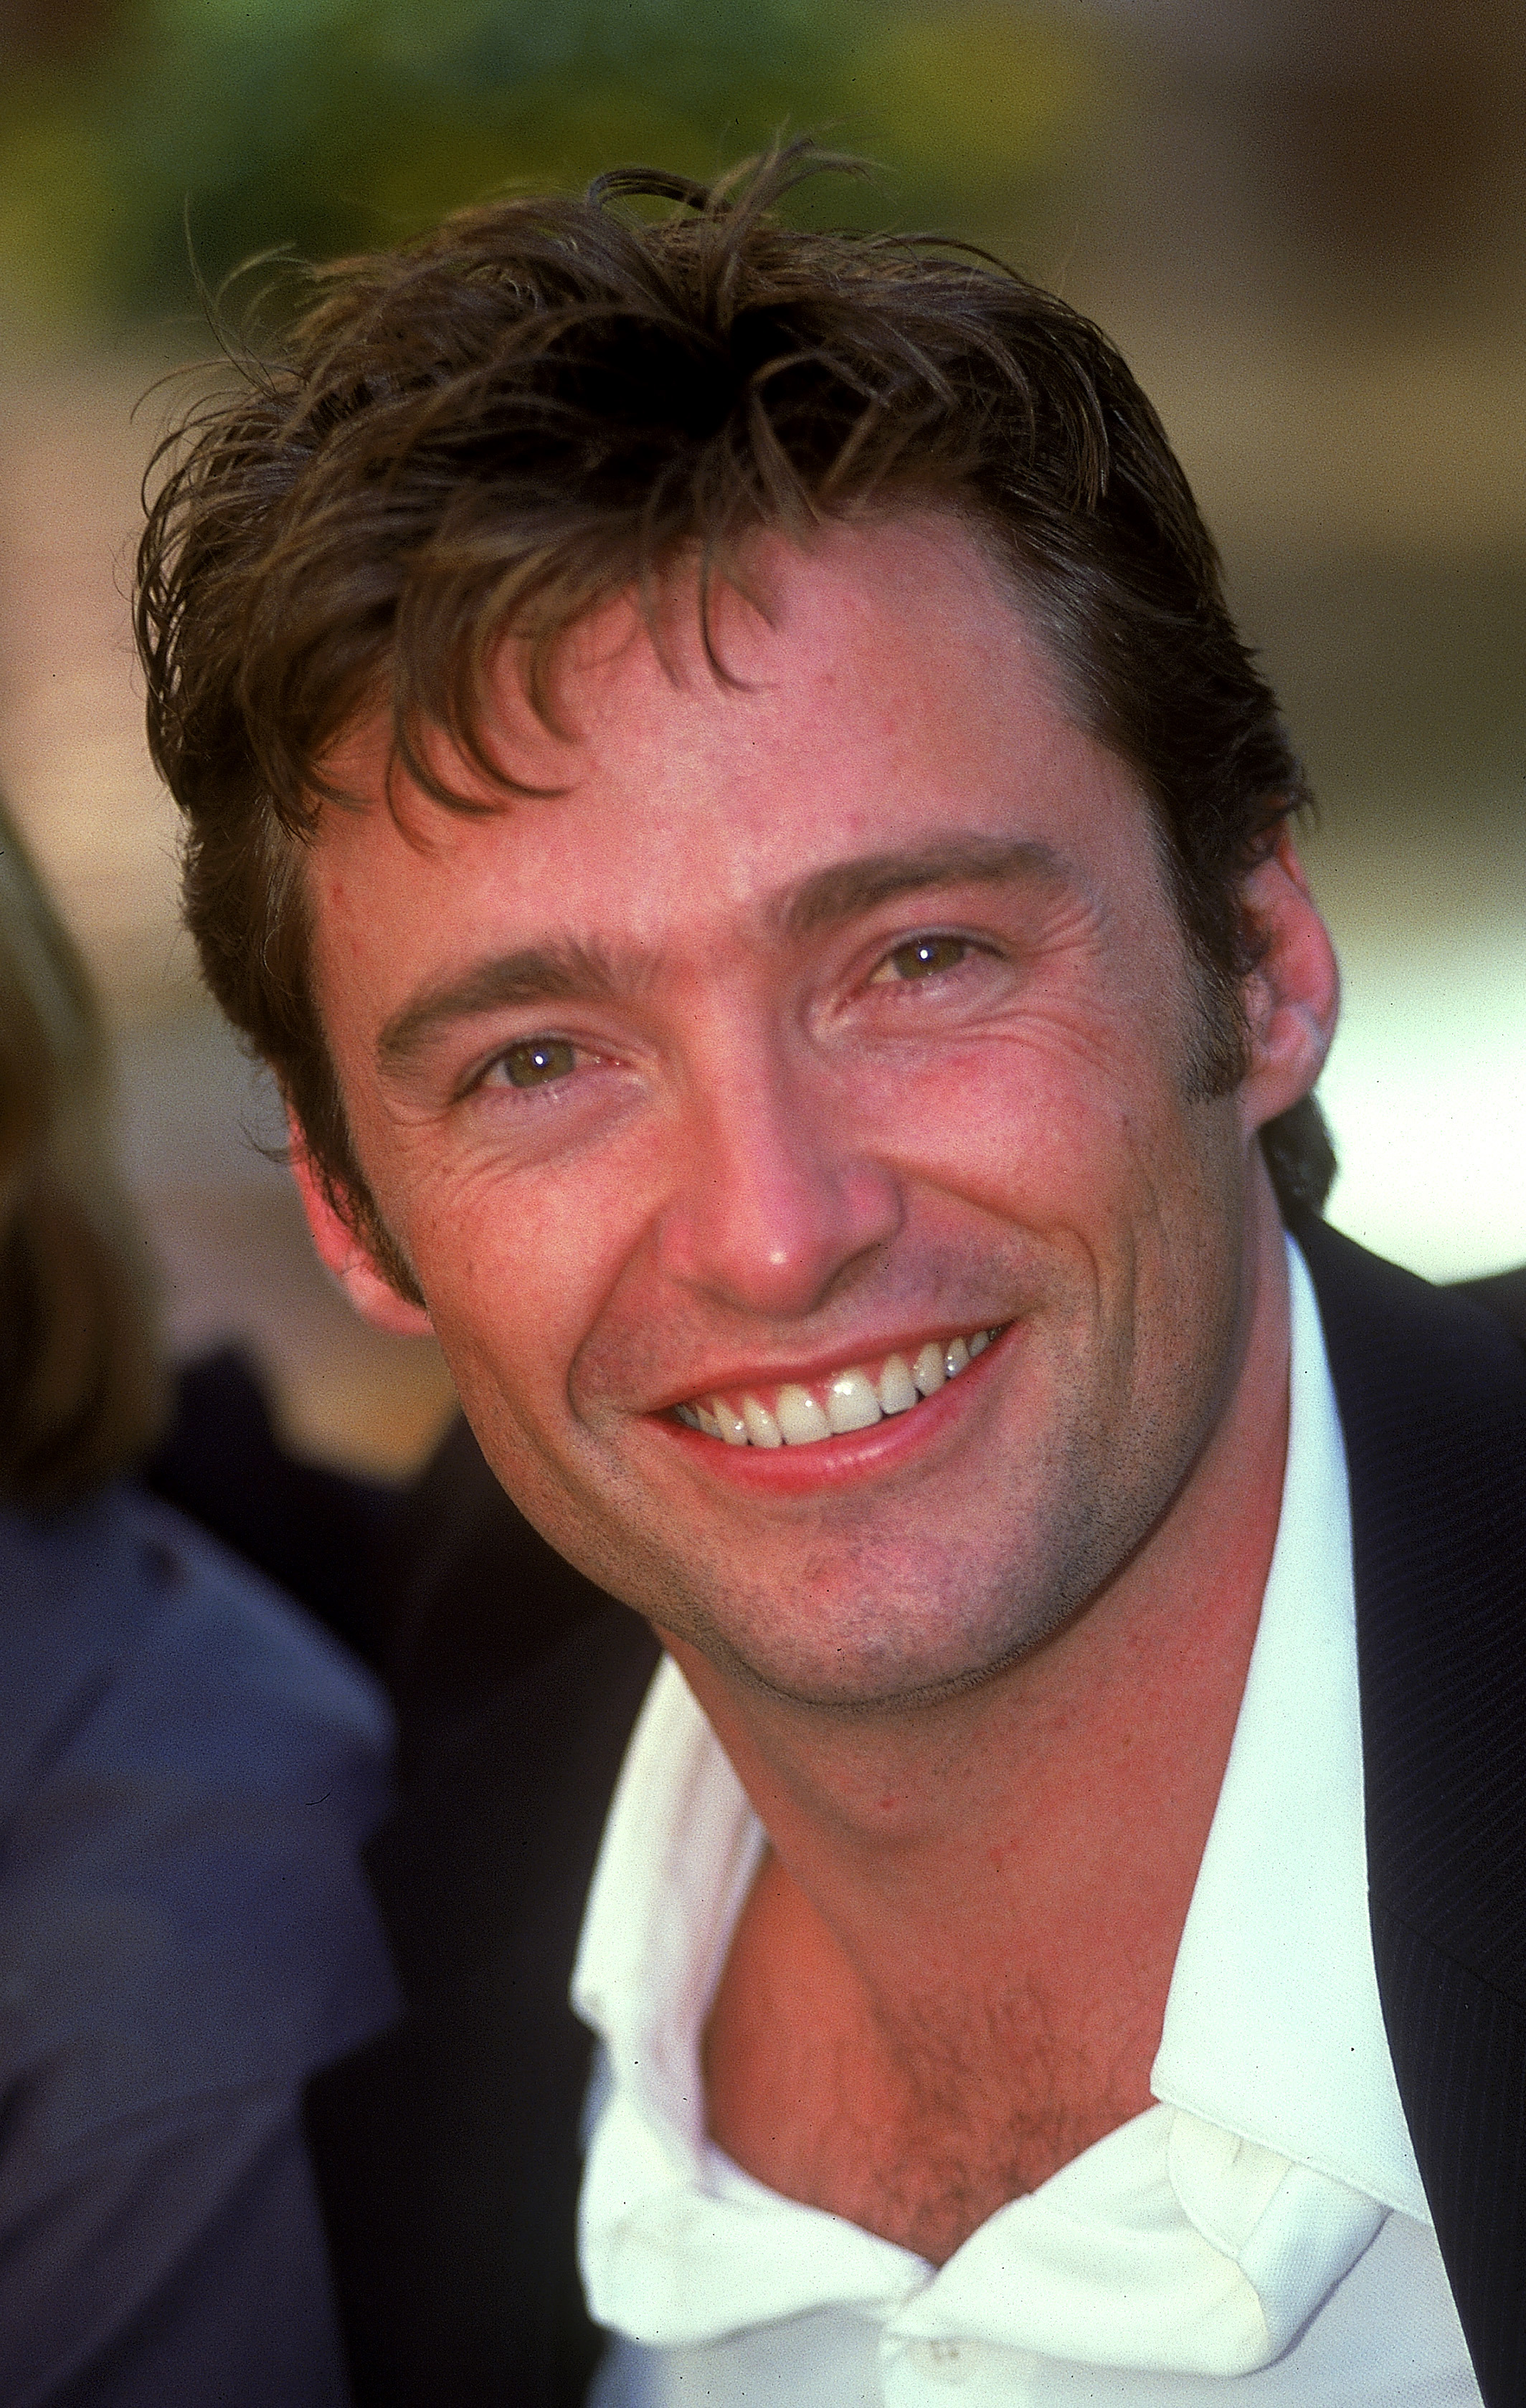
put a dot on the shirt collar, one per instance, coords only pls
(1272, 2025)
(680, 1849)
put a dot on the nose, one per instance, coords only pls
(776, 1204)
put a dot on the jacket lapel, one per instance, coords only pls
(1432, 1398)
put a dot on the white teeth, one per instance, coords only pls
(927, 1370)
(732, 1427)
(851, 1402)
(799, 1417)
(896, 1389)
(761, 1426)
(854, 1401)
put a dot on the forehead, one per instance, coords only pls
(870, 691)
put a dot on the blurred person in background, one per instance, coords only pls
(187, 1769)
(720, 775)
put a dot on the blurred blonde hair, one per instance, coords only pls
(82, 1387)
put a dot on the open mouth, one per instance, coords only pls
(861, 1393)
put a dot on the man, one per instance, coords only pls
(720, 777)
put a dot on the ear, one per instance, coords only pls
(342, 1252)
(1293, 994)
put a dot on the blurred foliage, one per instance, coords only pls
(329, 125)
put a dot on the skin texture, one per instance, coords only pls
(978, 1666)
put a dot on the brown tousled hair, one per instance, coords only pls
(544, 403)
(83, 1389)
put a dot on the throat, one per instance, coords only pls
(917, 2024)
(919, 2124)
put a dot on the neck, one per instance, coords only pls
(1040, 1834)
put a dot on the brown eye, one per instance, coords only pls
(537, 1061)
(925, 956)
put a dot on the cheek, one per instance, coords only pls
(516, 1272)
(1059, 1125)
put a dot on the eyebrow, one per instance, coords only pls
(564, 971)
(558, 971)
(849, 888)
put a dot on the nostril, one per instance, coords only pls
(771, 1211)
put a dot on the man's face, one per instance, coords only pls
(822, 1019)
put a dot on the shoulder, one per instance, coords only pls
(517, 1682)
(1505, 1295)
(1431, 1390)
(1430, 1385)
(120, 1615)
(447, 2150)
(1450, 1360)
(190, 1768)
(187, 1769)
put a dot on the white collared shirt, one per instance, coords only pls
(1263, 2221)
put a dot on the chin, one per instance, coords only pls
(864, 1653)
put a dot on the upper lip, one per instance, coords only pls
(804, 1372)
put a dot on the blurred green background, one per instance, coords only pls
(326, 125)
(1306, 225)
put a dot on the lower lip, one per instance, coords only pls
(831, 1462)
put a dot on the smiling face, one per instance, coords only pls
(791, 1122)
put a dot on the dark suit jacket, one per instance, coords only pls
(447, 2149)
